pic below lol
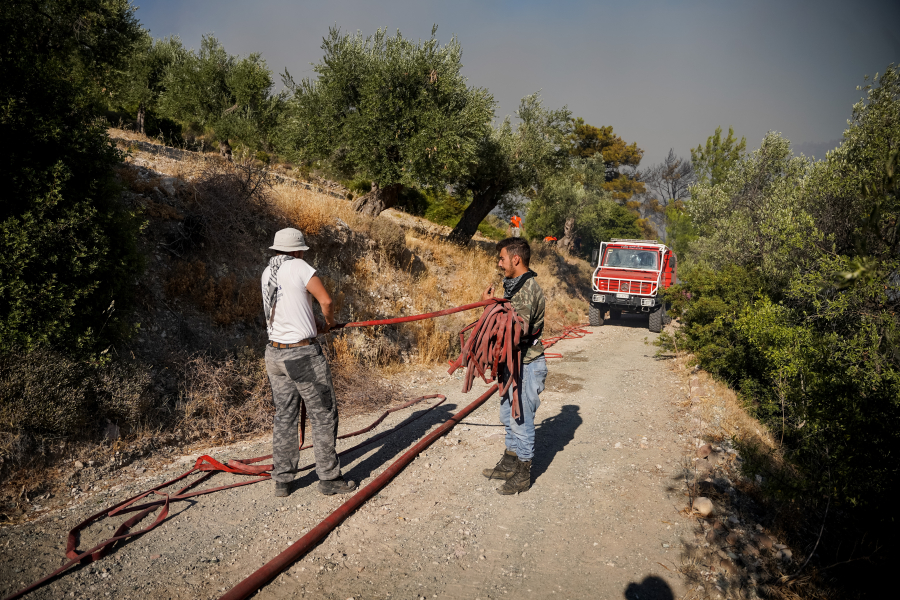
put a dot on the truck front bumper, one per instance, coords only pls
(625, 301)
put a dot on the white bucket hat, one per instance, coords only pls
(289, 240)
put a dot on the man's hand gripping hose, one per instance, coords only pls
(493, 342)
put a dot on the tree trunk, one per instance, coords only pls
(482, 204)
(567, 243)
(377, 200)
(140, 119)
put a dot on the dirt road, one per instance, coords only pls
(601, 520)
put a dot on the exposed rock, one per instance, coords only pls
(703, 506)
(704, 451)
(167, 184)
(764, 541)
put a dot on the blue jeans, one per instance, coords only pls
(520, 432)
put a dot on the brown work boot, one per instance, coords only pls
(520, 480)
(505, 468)
(336, 486)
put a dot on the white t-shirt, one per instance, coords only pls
(294, 320)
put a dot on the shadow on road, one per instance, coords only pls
(628, 320)
(651, 588)
(390, 447)
(552, 435)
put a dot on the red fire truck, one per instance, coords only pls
(628, 278)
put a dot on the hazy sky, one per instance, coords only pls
(663, 74)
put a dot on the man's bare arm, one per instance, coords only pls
(321, 295)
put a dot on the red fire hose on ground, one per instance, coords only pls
(297, 550)
(572, 332)
(492, 342)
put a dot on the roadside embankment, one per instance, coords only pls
(193, 373)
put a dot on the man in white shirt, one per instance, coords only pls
(298, 370)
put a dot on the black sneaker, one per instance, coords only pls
(336, 486)
(282, 489)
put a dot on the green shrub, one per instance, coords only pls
(412, 201)
(67, 243)
(795, 303)
(359, 186)
(492, 227)
(443, 208)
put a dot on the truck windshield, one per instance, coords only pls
(631, 259)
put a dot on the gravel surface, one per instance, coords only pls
(602, 520)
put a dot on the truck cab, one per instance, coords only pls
(627, 279)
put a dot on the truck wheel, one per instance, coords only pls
(615, 314)
(595, 317)
(656, 321)
(666, 319)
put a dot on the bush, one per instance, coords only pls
(443, 208)
(161, 127)
(795, 303)
(389, 235)
(47, 393)
(412, 201)
(67, 243)
(359, 187)
(492, 227)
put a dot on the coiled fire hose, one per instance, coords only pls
(492, 343)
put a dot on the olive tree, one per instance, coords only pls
(511, 162)
(139, 85)
(574, 202)
(226, 94)
(756, 215)
(399, 111)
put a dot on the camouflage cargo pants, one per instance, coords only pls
(302, 375)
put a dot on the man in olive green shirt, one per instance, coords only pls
(527, 298)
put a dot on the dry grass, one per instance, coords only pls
(358, 388)
(719, 414)
(225, 299)
(225, 398)
(311, 212)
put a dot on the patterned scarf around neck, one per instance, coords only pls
(272, 290)
(510, 286)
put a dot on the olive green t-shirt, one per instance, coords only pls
(529, 304)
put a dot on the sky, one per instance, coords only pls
(664, 74)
